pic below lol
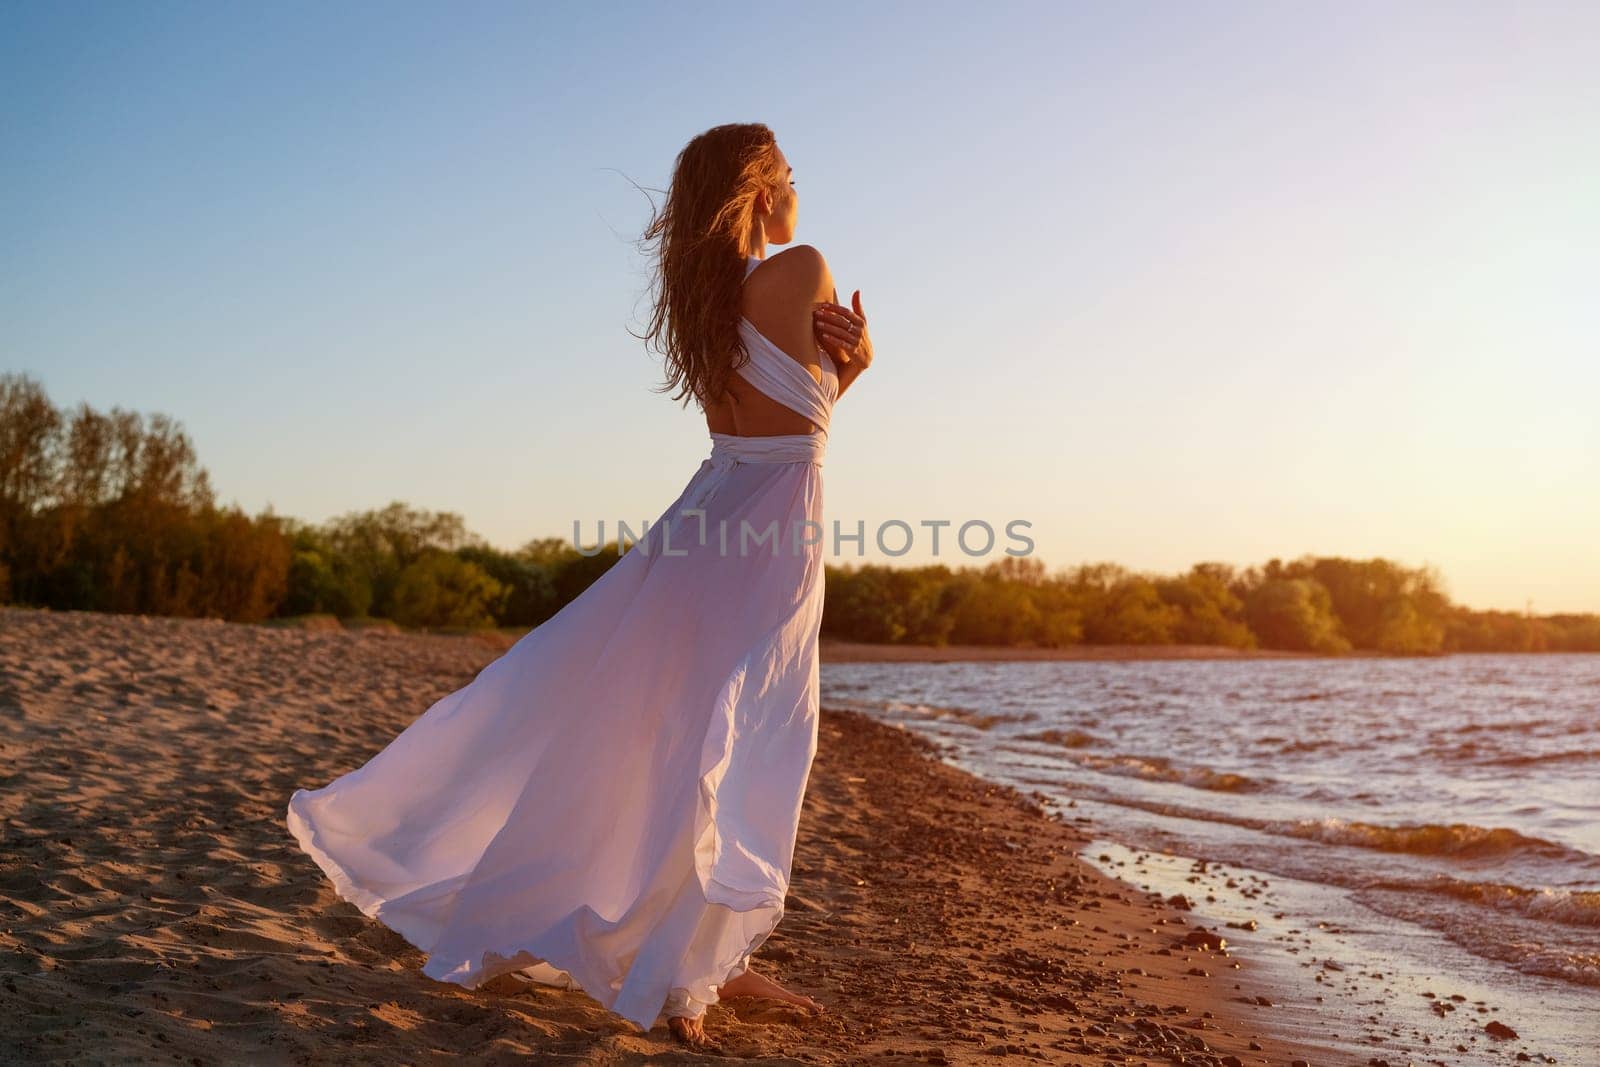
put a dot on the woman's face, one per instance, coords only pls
(785, 206)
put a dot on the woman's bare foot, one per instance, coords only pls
(691, 1032)
(751, 984)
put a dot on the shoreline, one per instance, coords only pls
(1024, 945)
(832, 650)
(866, 652)
(940, 917)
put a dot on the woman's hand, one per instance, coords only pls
(842, 332)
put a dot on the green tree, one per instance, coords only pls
(1122, 608)
(530, 587)
(1295, 614)
(861, 605)
(440, 589)
(1211, 612)
(1405, 629)
(992, 611)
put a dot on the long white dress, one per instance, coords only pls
(613, 802)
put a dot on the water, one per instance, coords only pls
(1441, 816)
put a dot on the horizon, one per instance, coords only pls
(1228, 286)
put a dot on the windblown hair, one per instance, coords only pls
(698, 237)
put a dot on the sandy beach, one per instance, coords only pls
(154, 908)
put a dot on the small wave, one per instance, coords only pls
(1429, 839)
(1572, 756)
(1159, 768)
(1456, 841)
(1579, 968)
(900, 709)
(1525, 942)
(1571, 907)
(1064, 738)
(1519, 726)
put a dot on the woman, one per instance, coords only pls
(612, 804)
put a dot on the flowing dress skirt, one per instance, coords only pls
(612, 803)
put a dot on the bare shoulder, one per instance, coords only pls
(797, 275)
(779, 299)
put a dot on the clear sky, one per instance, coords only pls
(1172, 282)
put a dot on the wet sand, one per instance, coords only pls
(154, 908)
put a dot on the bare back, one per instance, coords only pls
(777, 299)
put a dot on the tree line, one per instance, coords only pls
(1314, 604)
(112, 512)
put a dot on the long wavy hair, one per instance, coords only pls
(697, 241)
